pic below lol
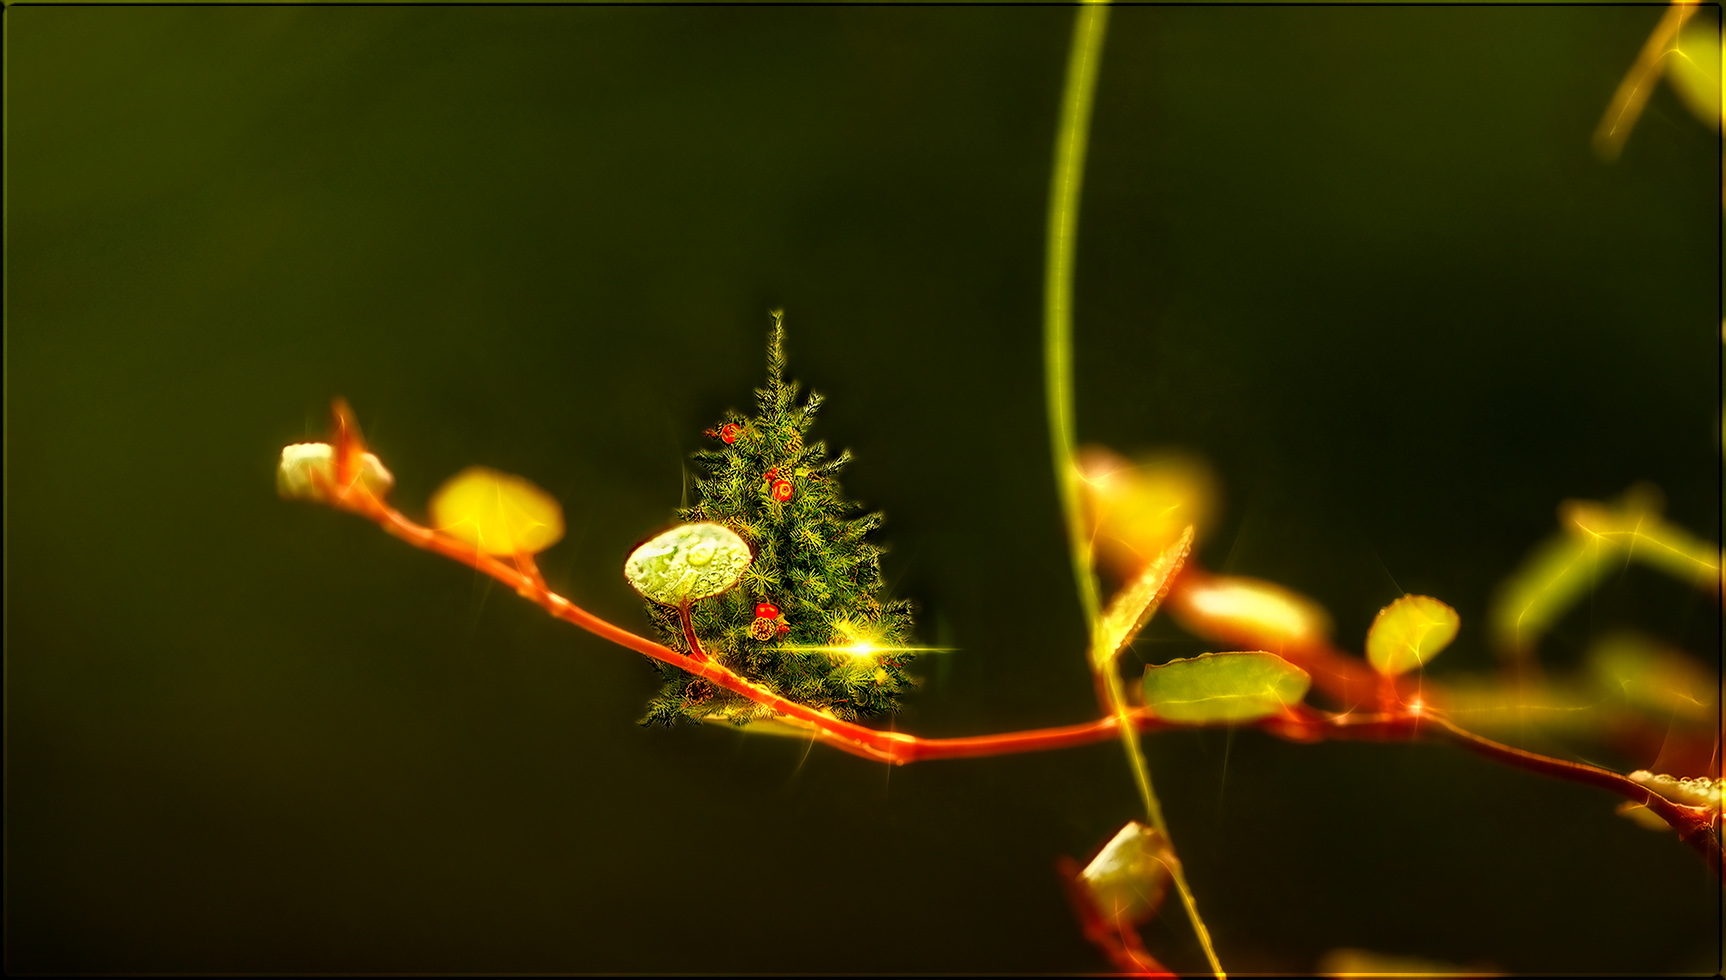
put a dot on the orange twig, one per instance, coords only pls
(1696, 826)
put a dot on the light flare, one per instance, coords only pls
(863, 650)
(1248, 611)
(1135, 509)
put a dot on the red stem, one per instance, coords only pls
(1695, 825)
(695, 650)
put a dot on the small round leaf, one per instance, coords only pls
(1409, 632)
(497, 513)
(1127, 878)
(1228, 687)
(688, 562)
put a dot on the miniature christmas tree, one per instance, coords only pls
(807, 620)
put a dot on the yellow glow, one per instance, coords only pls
(1409, 632)
(498, 513)
(862, 649)
(1693, 68)
(1650, 676)
(1596, 538)
(1137, 509)
(1348, 962)
(1647, 537)
(1249, 611)
(1641, 816)
(1266, 612)
(1638, 82)
(1495, 704)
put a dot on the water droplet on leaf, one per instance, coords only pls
(687, 563)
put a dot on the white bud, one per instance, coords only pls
(1685, 790)
(308, 467)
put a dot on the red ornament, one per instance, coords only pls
(772, 474)
(766, 610)
(784, 629)
(782, 490)
(730, 431)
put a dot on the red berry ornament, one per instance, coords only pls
(784, 629)
(729, 431)
(782, 490)
(766, 610)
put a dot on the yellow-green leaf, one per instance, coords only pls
(497, 513)
(1134, 605)
(1557, 572)
(688, 562)
(1596, 538)
(1409, 632)
(1127, 878)
(1229, 687)
(1652, 677)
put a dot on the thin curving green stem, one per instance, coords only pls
(1065, 184)
(1064, 187)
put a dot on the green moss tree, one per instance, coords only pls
(808, 621)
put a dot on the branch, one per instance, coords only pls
(1696, 826)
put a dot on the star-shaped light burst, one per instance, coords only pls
(861, 643)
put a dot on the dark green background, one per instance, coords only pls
(1361, 258)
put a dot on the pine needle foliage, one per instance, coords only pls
(832, 646)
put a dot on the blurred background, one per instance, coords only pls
(1363, 260)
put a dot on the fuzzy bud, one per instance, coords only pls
(307, 471)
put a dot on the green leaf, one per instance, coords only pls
(1409, 632)
(1556, 574)
(1652, 677)
(689, 562)
(1134, 605)
(1229, 687)
(1127, 878)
